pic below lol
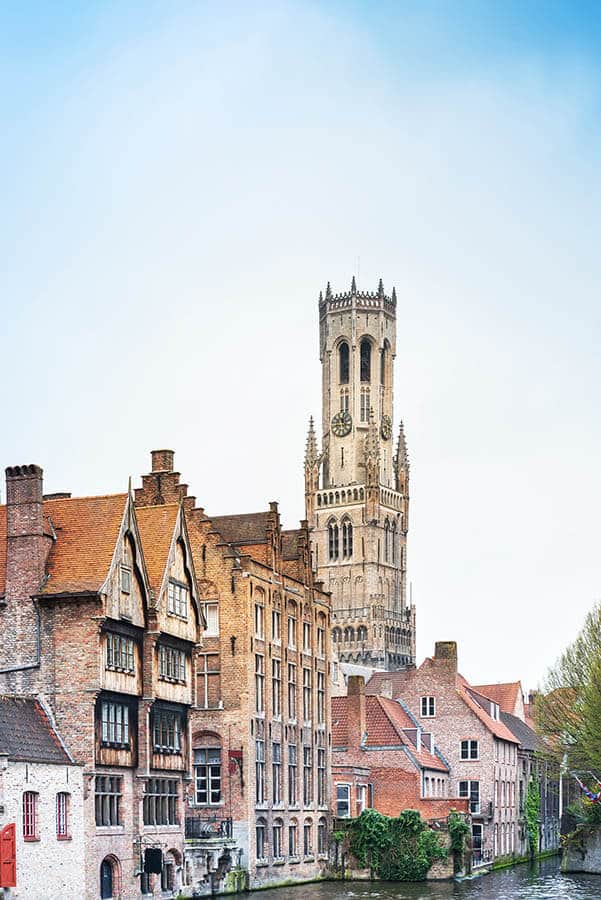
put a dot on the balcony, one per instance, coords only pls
(208, 828)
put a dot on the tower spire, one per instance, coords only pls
(311, 452)
(353, 286)
(328, 291)
(380, 288)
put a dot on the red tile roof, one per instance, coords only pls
(156, 525)
(384, 723)
(505, 695)
(494, 725)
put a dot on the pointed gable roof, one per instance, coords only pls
(496, 726)
(156, 525)
(505, 695)
(86, 529)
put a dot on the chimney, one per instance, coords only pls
(24, 496)
(445, 654)
(355, 692)
(162, 460)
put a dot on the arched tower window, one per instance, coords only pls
(393, 541)
(384, 363)
(365, 355)
(333, 539)
(344, 399)
(343, 363)
(386, 540)
(365, 404)
(347, 539)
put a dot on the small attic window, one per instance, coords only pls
(125, 579)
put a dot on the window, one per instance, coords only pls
(307, 776)
(292, 632)
(365, 404)
(333, 541)
(260, 771)
(276, 626)
(361, 798)
(210, 609)
(343, 801)
(291, 691)
(125, 579)
(107, 878)
(321, 697)
(207, 776)
(259, 620)
(168, 875)
(322, 837)
(306, 637)
(292, 774)
(259, 683)
(260, 839)
(208, 681)
(344, 402)
(278, 827)
(343, 362)
(276, 771)
(30, 816)
(321, 777)
(469, 749)
(307, 695)
(119, 653)
(293, 838)
(62, 815)
(115, 724)
(172, 664)
(365, 354)
(471, 790)
(276, 687)
(167, 732)
(428, 706)
(308, 838)
(108, 800)
(321, 639)
(160, 802)
(347, 539)
(177, 599)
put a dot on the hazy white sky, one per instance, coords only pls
(180, 180)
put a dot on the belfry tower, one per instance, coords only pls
(357, 487)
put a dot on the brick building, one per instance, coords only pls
(100, 609)
(41, 804)
(382, 758)
(480, 749)
(260, 798)
(357, 487)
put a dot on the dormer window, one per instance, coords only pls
(177, 599)
(125, 579)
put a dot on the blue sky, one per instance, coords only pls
(178, 182)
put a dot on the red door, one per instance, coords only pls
(8, 856)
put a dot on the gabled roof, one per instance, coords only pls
(495, 726)
(156, 525)
(506, 695)
(385, 721)
(86, 531)
(246, 528)
(396, 680)
(527, 737)
(26, 733)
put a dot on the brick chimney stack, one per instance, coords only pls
(355, 692)
(445, 654)
(162, 484)
(162, 460)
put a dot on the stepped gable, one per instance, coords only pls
(26, 733)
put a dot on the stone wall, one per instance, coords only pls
(582, 850)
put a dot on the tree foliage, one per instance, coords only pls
(568, 712)
(395, 849)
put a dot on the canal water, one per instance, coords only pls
(539, 881)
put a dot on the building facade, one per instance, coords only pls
(357, 486)
(41, 805)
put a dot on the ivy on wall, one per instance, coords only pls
(532, 816)
(401, 849)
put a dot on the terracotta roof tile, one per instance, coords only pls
(86, 529)
(505, 695)
(495, 726)
(26, 732)
(156, 525)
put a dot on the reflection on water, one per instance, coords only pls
(540, 881)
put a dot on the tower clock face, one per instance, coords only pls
(386, 427)
(342, 423)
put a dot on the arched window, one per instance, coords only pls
(365, 355)
(278, 831)
(386, 540)
(308, 837)
(343, 362)
(347, 539)
(384, 363)
(349, 633)
(109, 877)
(344, 400)
(322, 837)
(293, 838)
(261, 838)
(361, 633)
(393, 539)
(365, 404)
(337, 635)
(333, 541)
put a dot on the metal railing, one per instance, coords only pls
(207, 827)
(481, 858)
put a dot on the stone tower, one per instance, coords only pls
(357, 487)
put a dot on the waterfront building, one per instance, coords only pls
(258, 804)
(41, 804)
(382, 758)
(357, 484)
(482, 752)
